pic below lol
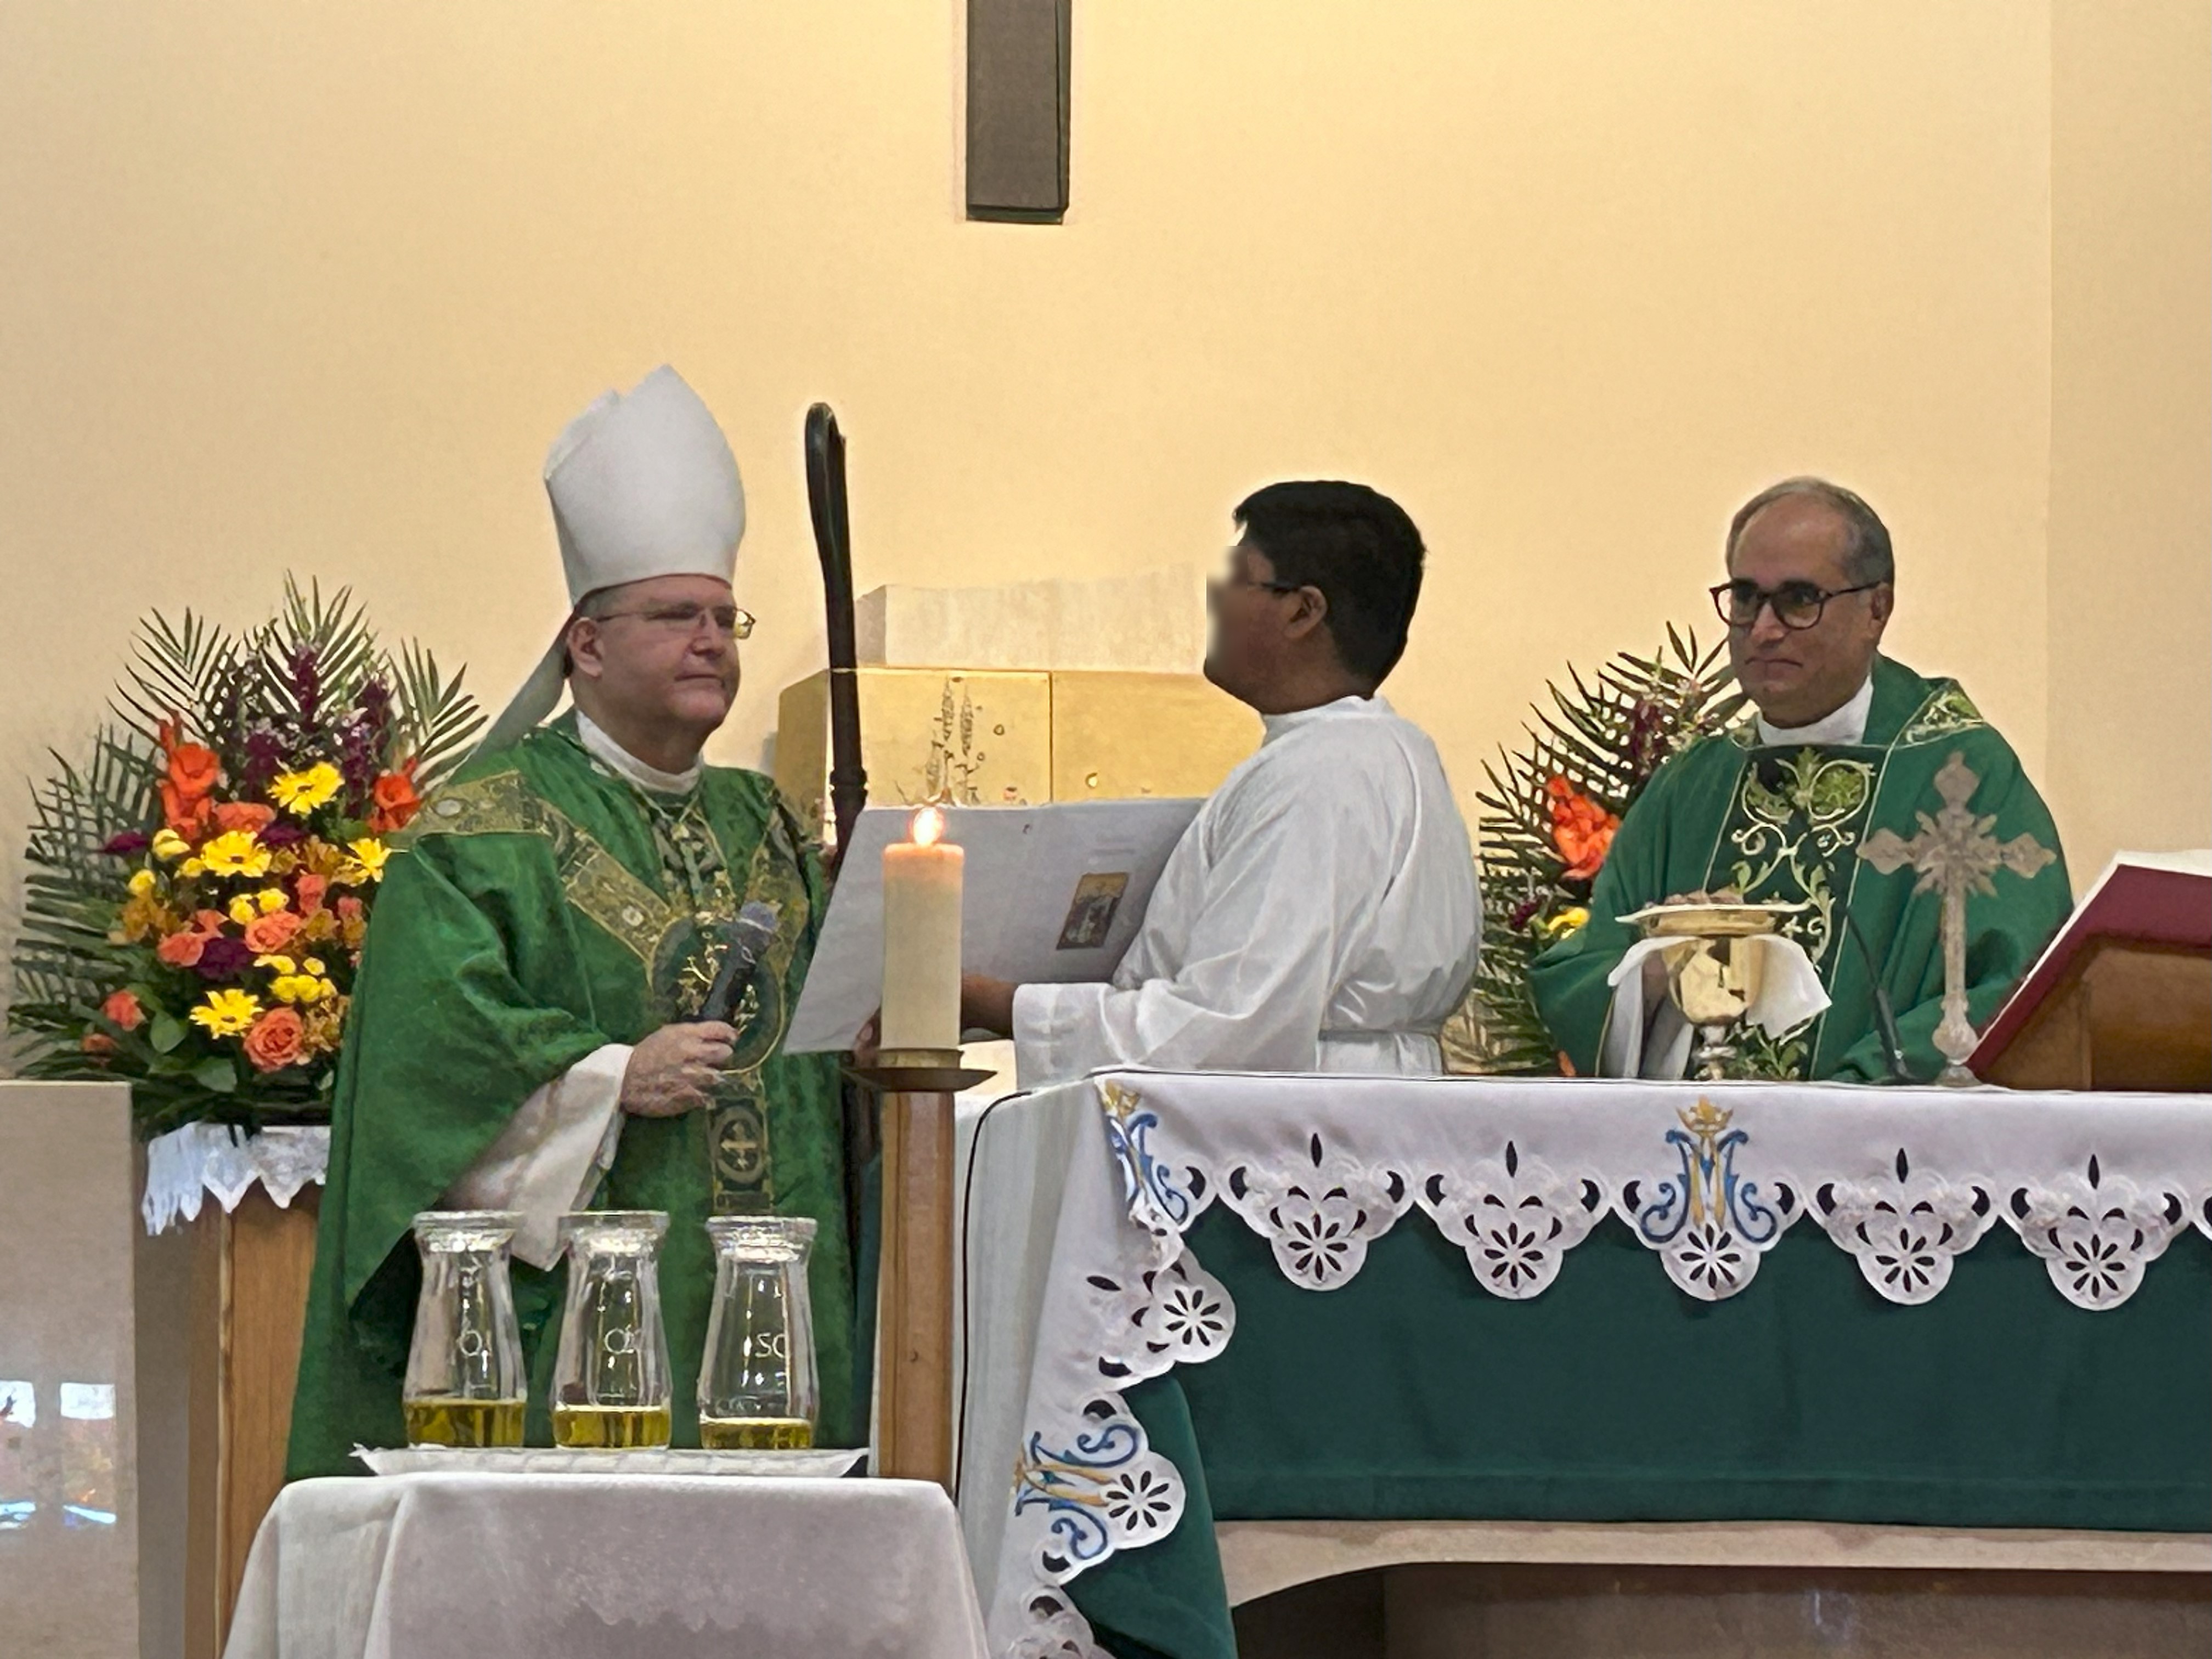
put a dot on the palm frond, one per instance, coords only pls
(438, 720)
(1605, 734)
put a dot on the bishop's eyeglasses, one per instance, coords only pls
(1797, 605)
(731, 621)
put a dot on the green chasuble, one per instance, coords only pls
(1786, 824)
(545, 908)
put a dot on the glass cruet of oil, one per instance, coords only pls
(758, 1387)
(464, 1383)
(611, 1388)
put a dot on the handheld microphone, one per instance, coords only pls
(748, 938)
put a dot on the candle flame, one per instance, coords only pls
(927, 827)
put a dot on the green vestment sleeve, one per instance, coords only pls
(444, 1044)
(1569, 980)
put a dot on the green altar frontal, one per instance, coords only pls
(1352, 1299)
(1411, 1394)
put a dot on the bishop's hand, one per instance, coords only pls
(674, 1071)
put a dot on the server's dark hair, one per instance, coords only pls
(1868, 558)
(1358, 547)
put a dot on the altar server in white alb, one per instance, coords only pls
(1320, 913)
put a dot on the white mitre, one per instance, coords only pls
(642, 484)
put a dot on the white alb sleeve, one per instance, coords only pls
(552, 1154)
(1256, 979)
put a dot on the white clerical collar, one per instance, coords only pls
(628, 766)
(1847, 725)
(1276, 726)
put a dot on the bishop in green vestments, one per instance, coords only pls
(527, 1030)
(1847, 742)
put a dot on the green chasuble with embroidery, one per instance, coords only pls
(1786, 824)
(545, 908)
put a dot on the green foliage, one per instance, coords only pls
(1604, 738)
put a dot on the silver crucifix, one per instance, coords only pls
(1955, 854)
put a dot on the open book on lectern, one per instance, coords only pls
(1049, 896)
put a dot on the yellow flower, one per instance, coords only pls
(191, 868)
(1568, 921)
(280, 964)
(301, 792)
(142, 884)
(299, 987)
(237, 854)
(227, 1012)
(313, 965)
(242, 910)
(369, 856)
(168, 844)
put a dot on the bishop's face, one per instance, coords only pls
(1800, 675)
(661, 655)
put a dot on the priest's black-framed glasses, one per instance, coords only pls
(1797, 605)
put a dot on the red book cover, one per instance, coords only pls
(2157, 898)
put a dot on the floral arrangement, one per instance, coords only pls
(197, 894)
(1548, 822)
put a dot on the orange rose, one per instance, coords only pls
(249, 815)
(349, 908)
(310, 888)
(396, 801)
(182, 949)
(272, 1042)
(1582, 830)
(96, 1043)
(122, 1008)
(267, 936)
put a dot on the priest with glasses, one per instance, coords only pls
(1846, 742)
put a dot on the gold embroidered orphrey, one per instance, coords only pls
(669, 941)
(1955, 854)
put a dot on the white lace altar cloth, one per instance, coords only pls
(1079, 1283)
(579, 1566)
(212, 1158)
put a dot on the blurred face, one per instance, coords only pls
(1251, 620)
(661, 655)
(1792, 549)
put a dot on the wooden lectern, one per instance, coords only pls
(2123, 998)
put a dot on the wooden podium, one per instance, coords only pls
(2122, 997)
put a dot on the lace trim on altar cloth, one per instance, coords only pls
(212, 1158)
(1708, 1193)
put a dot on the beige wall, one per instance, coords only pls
(311, 287)
(2131, 693)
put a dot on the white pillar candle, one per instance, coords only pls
(921, 941)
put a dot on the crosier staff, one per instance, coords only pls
(833, 542)
(848, 778)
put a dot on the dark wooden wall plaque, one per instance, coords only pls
(1017, 70)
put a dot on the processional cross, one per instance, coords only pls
(1956, 855)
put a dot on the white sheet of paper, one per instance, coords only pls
(1051, 895)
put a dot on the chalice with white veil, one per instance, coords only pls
(1714, 950)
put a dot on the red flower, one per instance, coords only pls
(309, 889)
(96, 1043)
(1582, 830)
(396, 801)
(122, 1008)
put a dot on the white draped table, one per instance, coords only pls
(550, 1566)
(1079, 1282)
